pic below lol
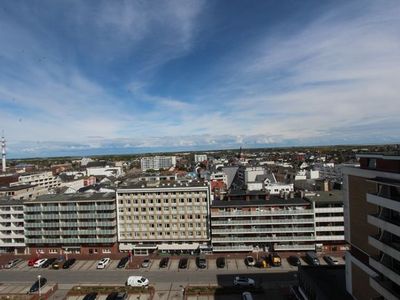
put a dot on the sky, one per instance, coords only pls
(103, 77)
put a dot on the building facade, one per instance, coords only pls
(157, 162)
(372, 227)
(164, 216)
(272, 224)
(11, 226)
(43, 180)
(73, 223)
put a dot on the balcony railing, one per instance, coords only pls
(232, 248)
(385, 287)
(388, 247)
(262, 239)
(75, 241)
(228, 222)
(216, 214)
(294, 247)
(261, 230)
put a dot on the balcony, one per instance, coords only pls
(263, 239)
(329, 228)
(294, 247)
(386, 288)
(390, 248)
(75, 241)
(383, 200)
(328, 210)
(387, 224)
(232, 248)
(329, 219)
(228, 222)
(384, 268)
(261, 230)
(329, 237)
(285, 212)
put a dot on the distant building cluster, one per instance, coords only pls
(214, 202)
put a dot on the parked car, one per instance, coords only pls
(183, 263)
(58, 263)
(201, 262)
(38, 283)
(262, 263)
(294, 260)
(12, 263)
(275, 259)
(220, 262)
(122, 263)
(103, 263)
(137, 281)
(312, 258)
(250, 261)
(68, 263)
(146, 263)
(48, 262)
(90, 296)
(32, 261)
(164, 262)
(247, 296)
(243, 281)
(39, 262)
(117, 296)
(331, 260)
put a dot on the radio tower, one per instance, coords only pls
(3, 153)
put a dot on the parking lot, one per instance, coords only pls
(231, 264)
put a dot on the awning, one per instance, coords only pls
(193, 246)
(144, 246)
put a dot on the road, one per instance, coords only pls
(221, 277)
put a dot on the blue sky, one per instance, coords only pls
(82, 77)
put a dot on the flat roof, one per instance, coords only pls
(17, 187)
(73, 197)
(270, 202)
(9, 201)
(331, 196)
(328, 282)
(162, 184)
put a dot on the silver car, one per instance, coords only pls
(12, 263)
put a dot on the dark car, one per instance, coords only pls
(117, 296)
(122, 262)
(183, 263)
(69, 263)
(48, 262)
(39, 283)
(90, 296)
(201, 262)
(294, 260)
(164, 262)
(330, 260)
(58, 263)
(220, 262)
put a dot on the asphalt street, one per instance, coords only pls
(221, 277)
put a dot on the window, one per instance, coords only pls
(372, 163)
(106, 250)
(53, 251)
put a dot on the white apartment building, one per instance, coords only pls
(157, 162)
(329, 220)
(163, 216)
(43, 180)
(11, 226)
(200, 157)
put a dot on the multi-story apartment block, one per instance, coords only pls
(157, 162)
(271, 224)
(169, 216)
(329, 220)
(11, 226)
(200, 157)
(79, 223)
(43, 180)
(372, 227)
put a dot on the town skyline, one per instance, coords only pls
(197, 75)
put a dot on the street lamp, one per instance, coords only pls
(40, 294)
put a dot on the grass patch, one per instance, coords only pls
(83, 290)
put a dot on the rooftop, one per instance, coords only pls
(16, 187)
(162, 184)
(331, 196)
(9, 201)
(74, 197)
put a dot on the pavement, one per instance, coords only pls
(168, 282)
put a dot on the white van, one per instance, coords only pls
(137, 281)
